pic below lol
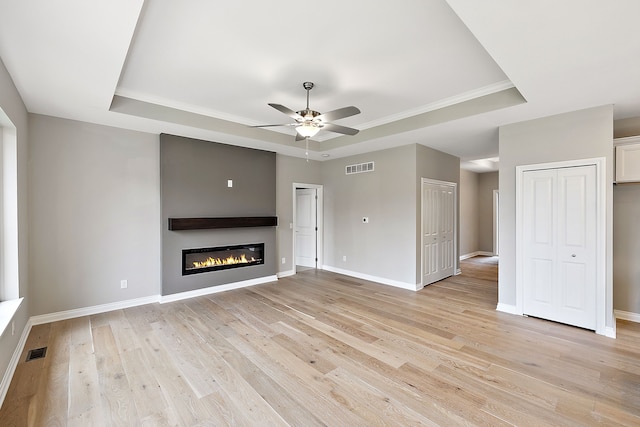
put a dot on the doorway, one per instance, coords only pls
(307, 226)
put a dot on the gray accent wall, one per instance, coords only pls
(194, 175)
(94, 203)
(626, 247)
(571, 136)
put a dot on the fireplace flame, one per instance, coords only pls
(212, 262)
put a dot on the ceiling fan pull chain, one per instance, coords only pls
(306, 153)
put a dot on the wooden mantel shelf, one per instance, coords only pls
(176, 224)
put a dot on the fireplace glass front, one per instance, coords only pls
(201, 260)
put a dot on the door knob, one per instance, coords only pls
(573, 255)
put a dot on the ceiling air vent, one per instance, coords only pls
(359, 168)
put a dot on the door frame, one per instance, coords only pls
(601, 224)
(496, 222)
(456, 258)
(319, 223)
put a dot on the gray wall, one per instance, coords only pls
(434, 164)
(623, 128)
(626, 248)
(385, 247)
(576, 135)
(288, 171)
(487, 182)
(13, 107)
(194, 176)
(469, 212)
(94, 203)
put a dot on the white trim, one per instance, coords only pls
(458, 272)
(88, 311)
(13, 363)
(381, 280)
(216, 289)
(287, 273)
(508, 308)
(496, 221)
(447, 102)
(8, 310)
(601, 225)
(627, 315)
(626, 140)
(319, 222)
(476, 253)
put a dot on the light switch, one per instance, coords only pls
(229, 183)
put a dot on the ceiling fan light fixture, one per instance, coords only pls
(307, 130)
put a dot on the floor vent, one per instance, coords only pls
(359, 168)
(37, 353)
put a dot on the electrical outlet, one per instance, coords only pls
(344, 258)
(284, 260)
(123, 284)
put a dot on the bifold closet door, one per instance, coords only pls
(559, 245)
(438, 225)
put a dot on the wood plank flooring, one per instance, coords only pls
(319, 349)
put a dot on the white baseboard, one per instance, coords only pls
(287, 273)
(216, 289)
(88, 311)
(13, 363)
(458, 272)
(476, 253)
(383, 281)
(627, 315)
(609, 332)
(508, 308)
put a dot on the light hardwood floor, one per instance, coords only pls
(319, 348)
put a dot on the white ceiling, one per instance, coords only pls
(444, 74)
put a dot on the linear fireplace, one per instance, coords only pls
(201, 260)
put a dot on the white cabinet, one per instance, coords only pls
(627, 159)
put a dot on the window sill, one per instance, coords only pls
(8, 309)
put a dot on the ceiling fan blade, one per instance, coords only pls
(299, 137)
(268, 126)
(340, 129)
(289, 112)
(340, 113)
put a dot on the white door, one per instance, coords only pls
(559, 224)
(306, 227)
(438, 231)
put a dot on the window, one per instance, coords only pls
(9, 288)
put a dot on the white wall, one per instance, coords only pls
(95, 214)
(571, 136)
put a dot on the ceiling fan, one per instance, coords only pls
(309, 122)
